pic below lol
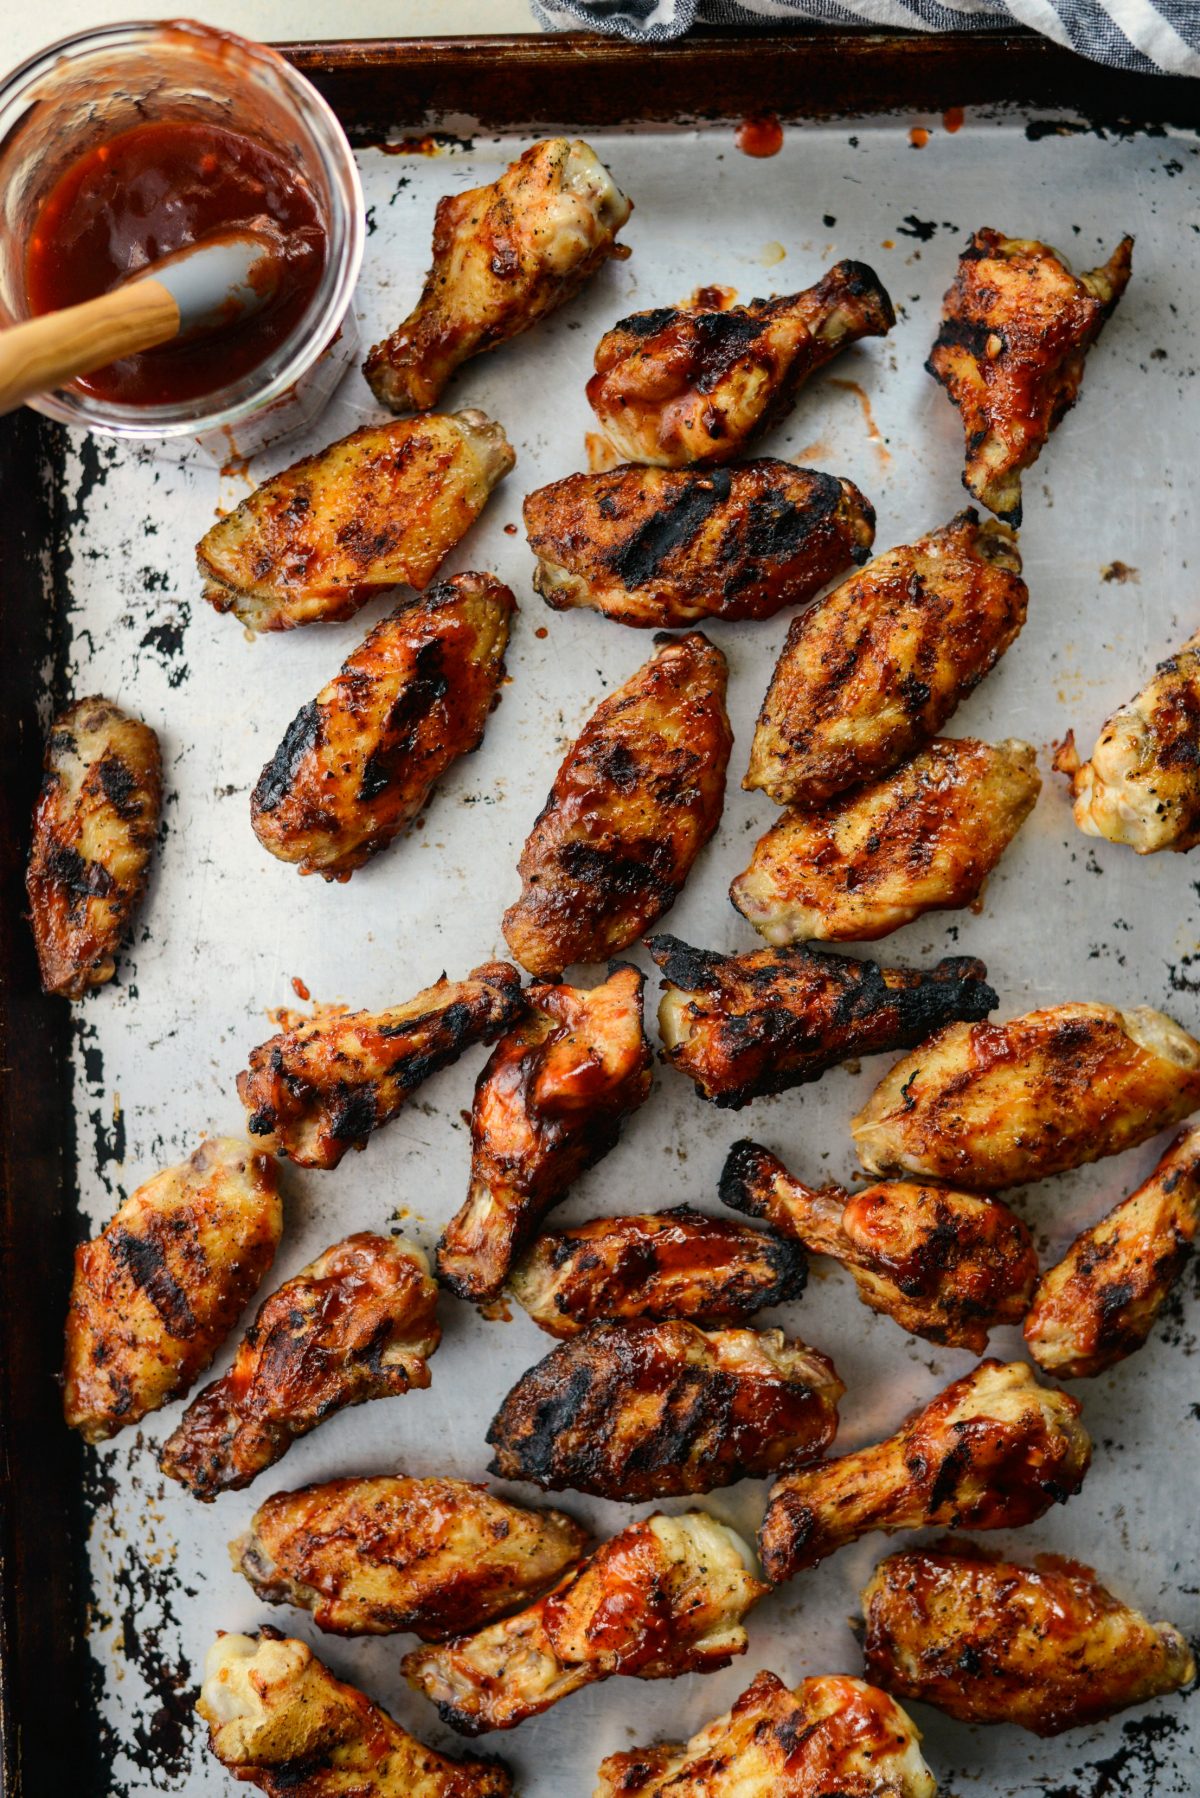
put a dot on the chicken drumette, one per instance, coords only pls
(360, 1322)
(744, 1025)
(664, 547)
(1016, 326)
(686, 384)
(992, 1105)
(549, 1103)
(992, 1641)
(946, 1265)
(868, 675)
(503, 257)
(637, 797)
(993, 1451)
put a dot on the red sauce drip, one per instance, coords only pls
(150, 191)
(760, 136)
(952, 119)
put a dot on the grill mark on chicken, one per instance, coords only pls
(144, 1260)
(640, 558)
(301, 735)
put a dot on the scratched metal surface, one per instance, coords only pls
(226, 928)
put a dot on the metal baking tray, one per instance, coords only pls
(113, 1581)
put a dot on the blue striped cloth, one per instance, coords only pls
(1149, 36)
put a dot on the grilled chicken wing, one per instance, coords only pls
(380, 508)
(278, 1718)
(323, 1084)
(93, 832)
(358, 762)
(829, 1738)
(741, 1026)
(504, 256)
(1100, 1302)
(664, 547)
(157, 1292)
(991, 1641)
(373, 1556)
(549, 1103)
(993, 1451)
(946, 1265)
(1142, 784)
(680, 385)
(991, 1105)
(924, 838)
(1016, 326)
(676, 1263)
(360, 1322)
(665, 1597)
(867, 676)
(640, 1410)
(637, 797)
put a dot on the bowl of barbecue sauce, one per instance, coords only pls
(122, 145)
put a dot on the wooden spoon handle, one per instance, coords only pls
(46, 352)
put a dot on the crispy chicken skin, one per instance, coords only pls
(924, 838)
(993, 1451)
(549, 1103)
(868, 675)
(948, 1266)
(1142, 784)
(992, 1641)
(665, 547)
(992, 1105)
(830, 1737)
(665, 1597)
(360, 1322)
(638, 795)
(373, 1556)
(377, 509)
(93, 833)
(740, 1026)
(358, 762)
(504, 256)
(323, 1084)
(639, 1410)
(1016, 326)
(686, 384)
(677, 1263)
(278, 1718)
(1100, 1302)
(157, 1292)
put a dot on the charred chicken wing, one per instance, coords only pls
(1142, 784)
(157, 1292)
(665, 547)
(323, 1084)
(993, 1451)
(380, 508)
(946, 1265)
(868, 675)
(740, 1026)
(1100, 1303)
(503, 257)
(640, 1410)
(549, 1104)
(360, 1322)
(991, 1105)
(372, 1556)
(665, 1597)
(636, 799)
(93, 832)
(278, 1719)
(992, 1641)
(829, 1738)
(680, 385)
(1016, 326)
(924, 838)
(358, 762)
(676, 1263)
